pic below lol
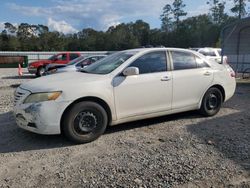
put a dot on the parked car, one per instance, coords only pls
(73, 65)
(125, 86)
(213, 54)
(38, 67)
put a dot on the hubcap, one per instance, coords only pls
(212, 101)
(42, 71)
(85, 122)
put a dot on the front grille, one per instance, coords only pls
(19, 95)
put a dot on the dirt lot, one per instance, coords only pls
(183, 150)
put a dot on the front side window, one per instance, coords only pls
(62, 57)
(151, 62)
(183, 60)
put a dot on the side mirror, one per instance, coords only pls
(130, 71)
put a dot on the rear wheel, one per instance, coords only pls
(211, 102)
(40, 71)
(85, 122)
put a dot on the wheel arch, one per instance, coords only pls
(218, 86)
(39, 67)
(97, 100)
(222, 90)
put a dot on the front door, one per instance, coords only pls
(61, 59)
(146, 93)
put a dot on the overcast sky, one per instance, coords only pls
(69, 16)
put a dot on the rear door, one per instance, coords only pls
(191, 78)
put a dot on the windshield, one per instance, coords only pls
(52, 57)
(109, 63)
(74, 61)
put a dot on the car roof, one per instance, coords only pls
(155, 49)
(209, 48)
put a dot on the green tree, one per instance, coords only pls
(10, 28)
(167, 18)
(217, 11)
(141, 31)
(171, 15)
(121, 37)
(178, 11)
(239, 8)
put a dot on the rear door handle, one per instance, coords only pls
(165, 78)
(207, 73)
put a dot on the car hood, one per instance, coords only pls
(41, 61)
(61, 82)
(53, 66)
(67, 68)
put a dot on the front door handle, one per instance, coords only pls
(165, 78)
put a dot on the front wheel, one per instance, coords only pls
(211, 102)
(85, 122)
(40, 71)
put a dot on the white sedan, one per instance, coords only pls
(213, 54)
(125, 86)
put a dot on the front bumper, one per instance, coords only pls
(32, 70)
(42, 118)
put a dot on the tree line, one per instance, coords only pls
(177, 30)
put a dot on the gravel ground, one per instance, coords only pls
(182, 150)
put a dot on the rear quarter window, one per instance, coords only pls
(200, 62)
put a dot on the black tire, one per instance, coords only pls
(40, 71)
(211, 102)
(85, 122)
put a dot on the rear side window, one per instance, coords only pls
(183, 60)
(151, 63)
(73, 56)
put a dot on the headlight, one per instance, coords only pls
(40, 97)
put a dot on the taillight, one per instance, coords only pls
(225, 60)
(231, 71)
(232, 74)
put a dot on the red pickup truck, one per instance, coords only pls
(38, 67)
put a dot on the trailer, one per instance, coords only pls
(236, 45)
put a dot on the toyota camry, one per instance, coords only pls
(125, 86)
